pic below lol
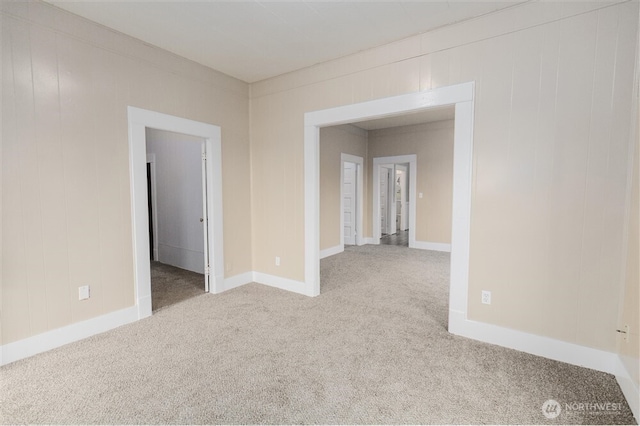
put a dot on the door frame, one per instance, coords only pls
(139, 119)
(461, 96)
(359, 162)
(378, 163)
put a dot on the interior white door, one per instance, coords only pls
(397, 196)
(349, 202)
(401, 199)
(203, 219)
(384, 199)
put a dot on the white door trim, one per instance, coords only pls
(379, 162)
(359, 161)
(460, 95)
(139, 120)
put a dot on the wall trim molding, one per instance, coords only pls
(331, 251)
(46, 341)
(237, 280)
(426, 245)
(371, 240)
(282, 283)
(460, 95)
(629, 388)
(545, 347)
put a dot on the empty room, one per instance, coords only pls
(402, 212)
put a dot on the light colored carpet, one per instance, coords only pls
(171, 285)
(372, 348)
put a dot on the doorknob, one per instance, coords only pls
(201, 220)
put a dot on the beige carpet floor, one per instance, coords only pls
(372, 348)
(171, 285)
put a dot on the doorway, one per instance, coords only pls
(461, 97)
(394, 202)
(177, 200)
(385, 197)
(139, 121)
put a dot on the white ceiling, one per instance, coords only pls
(255, 40)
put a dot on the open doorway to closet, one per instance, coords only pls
(210, 148)
(177, 205)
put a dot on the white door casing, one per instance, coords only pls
(461, 96)
(139, 120)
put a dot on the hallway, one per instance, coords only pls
(401, 238)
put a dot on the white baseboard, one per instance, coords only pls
(629, 387)
(530, 343)
(558, 350)
(68, 334)
(34, 345)
(331, 251)
(371, 240)
(282, 283)
(266, 279)
(425, 245)
(237, 281)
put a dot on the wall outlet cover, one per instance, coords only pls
(83, 292)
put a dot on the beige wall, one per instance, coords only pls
(66, 219)
(433, 145)
(335, 141)
(551, 137)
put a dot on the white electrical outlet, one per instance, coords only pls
(626, 333)
(277, 260)
(486, 297)
(83, 292)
